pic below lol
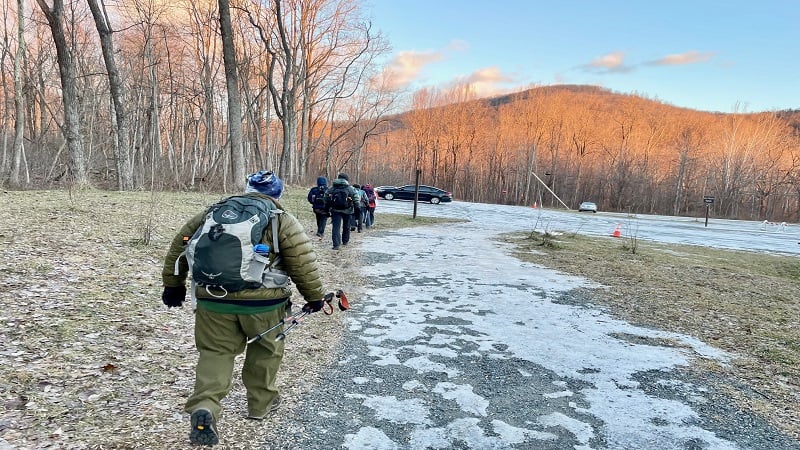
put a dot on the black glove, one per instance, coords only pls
(312, 307)
(173, 296)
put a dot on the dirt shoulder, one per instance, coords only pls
(91, 358)
(745, 303)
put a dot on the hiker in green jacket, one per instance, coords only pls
(225, 320)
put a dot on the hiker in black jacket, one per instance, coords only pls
(316, 196)
(339, 200)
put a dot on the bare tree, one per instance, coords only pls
(19, 103)
(5, 50)
(344, 104)
(283, 77)
(339, 49)
(422, 128)
(319, 53)
(284, 95)
(234, 100)
(67, 70)
(121, 143)
(687, 144)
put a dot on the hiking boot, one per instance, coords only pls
(204, 430)
(276, 403)
(336, 247)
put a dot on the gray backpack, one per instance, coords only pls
(221, 253)
(363, 200)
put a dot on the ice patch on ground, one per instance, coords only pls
(371, 438)
(422, 364)
(558, 394)
(464, 396)
(515, 435)
(582, 431)
(394, 410)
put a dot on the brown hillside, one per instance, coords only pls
(626, 152)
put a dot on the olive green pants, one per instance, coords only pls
(219, 338)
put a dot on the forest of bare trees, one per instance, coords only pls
(626, 153)
(193, 94)
(185, 94)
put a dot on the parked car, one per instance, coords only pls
(426, 193)
(588, 206)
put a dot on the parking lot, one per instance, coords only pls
(479, 350)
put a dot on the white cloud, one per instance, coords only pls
(485, 82)
(615, 62)
(680, 59)
(610, 62)
(406, 67)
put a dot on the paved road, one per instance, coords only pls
(458, 345)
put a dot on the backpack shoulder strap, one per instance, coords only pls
(273, 214)
(271, 210)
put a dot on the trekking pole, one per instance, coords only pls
(294, 319)
(282, 335)
(327, 308)
(344, 304)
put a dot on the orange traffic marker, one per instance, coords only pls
(617, 231)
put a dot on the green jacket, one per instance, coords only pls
(341, 183)
(297, 259)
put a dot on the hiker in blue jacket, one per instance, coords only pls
(359, 208)
(316, 196)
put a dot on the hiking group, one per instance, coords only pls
(350, 207)
(242, 253)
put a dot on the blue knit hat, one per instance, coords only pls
(266, 183)
(322, 181)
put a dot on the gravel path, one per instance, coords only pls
(457, 345)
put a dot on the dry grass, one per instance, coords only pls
(91, 358)
(745, 303)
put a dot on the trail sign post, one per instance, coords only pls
(708, 200)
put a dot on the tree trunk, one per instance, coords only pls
(19, 101)
(682, 163)
(155, 131)
(66, 67)
(121, 144)
(234, 100)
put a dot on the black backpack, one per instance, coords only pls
(339, 198)
(317, 197)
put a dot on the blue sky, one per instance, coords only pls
(709, 55)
